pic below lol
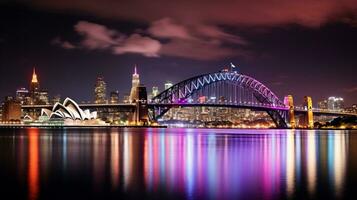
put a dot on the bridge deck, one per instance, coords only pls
(253, 106)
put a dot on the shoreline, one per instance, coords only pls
(24, 126)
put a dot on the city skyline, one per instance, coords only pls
(299, 53)
(105, 96)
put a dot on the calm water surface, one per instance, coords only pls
(177, 164)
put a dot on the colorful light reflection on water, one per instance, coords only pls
(177, 163)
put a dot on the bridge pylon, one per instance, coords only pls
(288, 101)
(309, 116)
(140, 115)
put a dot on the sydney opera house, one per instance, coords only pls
(69, 113)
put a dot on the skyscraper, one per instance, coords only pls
(335, 103)
(134, 84)
(100, 91)
(34, 87)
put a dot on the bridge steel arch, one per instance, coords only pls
(188, 87)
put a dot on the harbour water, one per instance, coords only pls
(153, 163)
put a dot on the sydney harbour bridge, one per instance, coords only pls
(231, 89)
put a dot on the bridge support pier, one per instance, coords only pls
(288, 101)
(309, 116)
(140, 115)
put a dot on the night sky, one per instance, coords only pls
(294, 47)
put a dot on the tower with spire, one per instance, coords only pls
(134, 84)
(34, 87)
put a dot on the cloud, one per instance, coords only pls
(96, 36)
(99, 37)
(139, 44)
(163, 37)
(167, 28)
(309, 13)
(195, 41)
(64, 44)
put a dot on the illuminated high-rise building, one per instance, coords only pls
(335, 103)
(134, 84)
(100, 91)
(34, 87)
(21, 95)
(168, 84)
(114, 97)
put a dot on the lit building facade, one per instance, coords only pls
(168, 84)
(322, 105)
(155, 91)
(114, 97)
(43, 98)
(11, 110)
(34, 88)
(134, 84)
(335, 103)
(21, 95)
(126, 98)
(100, 90)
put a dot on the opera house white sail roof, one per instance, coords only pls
(69, 109)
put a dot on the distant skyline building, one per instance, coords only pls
(335, 103)
(56, 99)
(155, 91)
(34, 87)
(11, 109)
(100, 90)
(168, 84)
(43, 98)
(126, 98)
(114, 97)
(21, 95)
(134, 84)
(322, 104)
